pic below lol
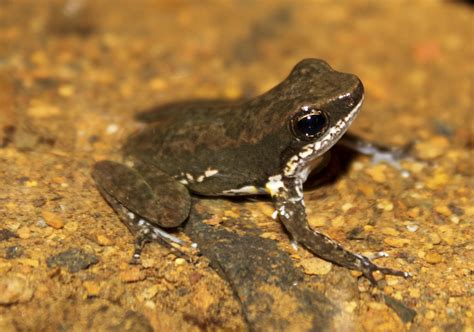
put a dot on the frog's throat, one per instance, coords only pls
(299, 165)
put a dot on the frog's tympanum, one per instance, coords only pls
(267, 145)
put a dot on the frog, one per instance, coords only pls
(267, 145)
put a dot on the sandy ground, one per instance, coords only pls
(73, 73)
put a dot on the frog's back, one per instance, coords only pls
(190, 143)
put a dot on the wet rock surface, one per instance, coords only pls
(73, 74)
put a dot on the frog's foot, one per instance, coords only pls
(146, 232)
(379, 153)
(146, 201)
(367, 267)
(289, 203)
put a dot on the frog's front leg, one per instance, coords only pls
(378, 152)
(145, 199)
(287, 194)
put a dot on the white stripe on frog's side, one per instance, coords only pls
(297, 165)
(245, 190)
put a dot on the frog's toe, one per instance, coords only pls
(393, 156)
(368, 268)
(147, 232)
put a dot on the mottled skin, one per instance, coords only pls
(220, 148)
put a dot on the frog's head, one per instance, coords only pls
(322, 105)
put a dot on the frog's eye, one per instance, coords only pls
(309, 123)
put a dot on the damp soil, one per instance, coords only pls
(72, 75)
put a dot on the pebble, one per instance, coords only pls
(42, 111)
(377, 173)
(414, 292)
(15, 289)
(317, 220)
(66, 90)
(389, 231)
(412, 228)
(24, 233)
(413, 212)
(111, 129)
(74, 259)
(438, 180)
(92, 288)
(103, 240)
(150, 292)
(435, 238)
(52, 219)
(133, 274)
(179, 261)
(430, 315)
(346, 207)
(443, 210)
(433, 257)
(396, 242)
(315, 266)
(432, 148)
(385, 205)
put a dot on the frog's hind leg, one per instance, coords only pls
(136, 197)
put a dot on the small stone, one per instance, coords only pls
(389, 231)
(454, 219)
(52, 219)
(15, 289)
(24, 233)
(385, 205)
(414, 212)
(132, 274)
(42, 111)
(377, 173)
(346, 207)
(150, 292)
(435, 238)
(443, 210)
(367, 190)
(103, 240)
(316, 266)
(179, 261)
(317, 220)
(28, 261)
(412, 228)
(14, 252)
(433, 257)
(231, 214)
(31, 183)
(6, 234)
(71, 226)
(111, 129)
(396, 242)
(414, 292)
(439, 180)
(92, 288)
(432, 148)
(430, 315)
(66, 90)
(73, 259)
(339, 221)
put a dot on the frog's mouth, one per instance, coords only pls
(301, 165)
